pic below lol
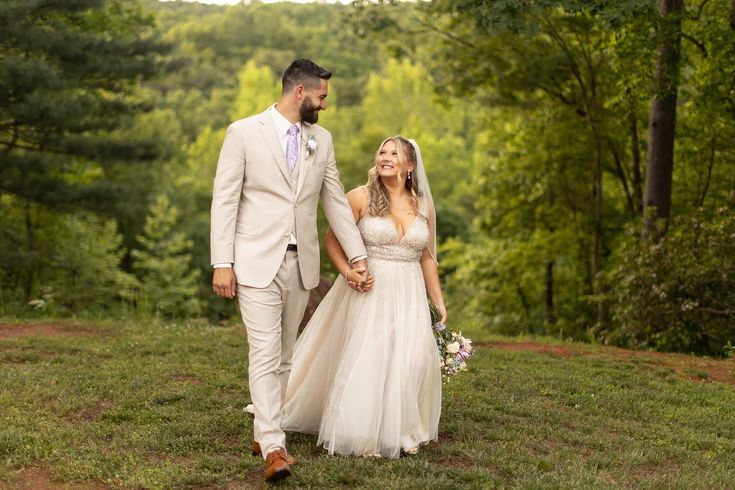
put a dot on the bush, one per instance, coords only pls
(59, 264)
(677, 295)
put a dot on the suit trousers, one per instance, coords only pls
(272, 316)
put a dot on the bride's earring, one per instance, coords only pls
(409, 175)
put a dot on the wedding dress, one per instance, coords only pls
(365, 374)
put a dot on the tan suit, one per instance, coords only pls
(257, 205)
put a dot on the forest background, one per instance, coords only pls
(581, 154)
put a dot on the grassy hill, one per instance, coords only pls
(160, 406)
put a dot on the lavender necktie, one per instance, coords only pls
(292, 147)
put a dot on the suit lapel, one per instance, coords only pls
(270, 136)
(306, 159)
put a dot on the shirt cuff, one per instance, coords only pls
(222, 265)
(359, 257)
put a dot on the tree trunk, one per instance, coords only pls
(712, 149)
(636, 152)
(598, 229)
(662, 121)
(549, 295)
(30, 246)
(524, 301)
(623, 179)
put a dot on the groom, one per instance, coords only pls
(272, 169)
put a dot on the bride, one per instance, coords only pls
(365, 375)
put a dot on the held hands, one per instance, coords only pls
(224, 282)
(359, 278)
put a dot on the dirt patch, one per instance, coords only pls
(39, 479)
(185, 378)
(446, 436)
(93, 411)
(8, 331)
(452, 463)
(693, 368)
(689, 367)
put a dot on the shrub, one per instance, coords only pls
(679, 294)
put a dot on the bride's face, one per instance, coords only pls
(387, 163)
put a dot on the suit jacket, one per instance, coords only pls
(255, 204)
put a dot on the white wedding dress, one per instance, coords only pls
(365, 374)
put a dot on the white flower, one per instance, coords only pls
(311, 145)
(689, 305)
(453, 348)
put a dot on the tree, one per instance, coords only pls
(662, 119)
(258, 90)
(169, 286)
(68, 78)
(72, 264)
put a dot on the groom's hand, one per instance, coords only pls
(366, 284)
(224, 282)
(360, 285)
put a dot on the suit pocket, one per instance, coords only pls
(247, 230)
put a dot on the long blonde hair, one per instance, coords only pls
(378, 195)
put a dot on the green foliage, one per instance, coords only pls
(258, 90)
(168, 286)
(561, 88)
(677, 295)
(519, 108)
(60, 264)
(68, 88)
(85, 269)
(215, 42)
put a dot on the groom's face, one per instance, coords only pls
(315, 100)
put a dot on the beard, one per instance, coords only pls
(309, 113)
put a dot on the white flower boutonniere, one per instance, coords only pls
(311, 146)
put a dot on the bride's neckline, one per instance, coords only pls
(405, 230)
(393, 223)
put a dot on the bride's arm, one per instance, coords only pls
(433, 287)
(358, 203)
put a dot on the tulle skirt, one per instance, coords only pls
(365, 374)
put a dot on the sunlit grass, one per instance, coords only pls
(158, 405)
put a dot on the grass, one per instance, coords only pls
(159, 405)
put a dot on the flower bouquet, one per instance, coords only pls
(454, 349)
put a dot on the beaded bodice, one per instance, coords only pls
(381, 238)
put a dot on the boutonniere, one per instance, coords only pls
(311, 146)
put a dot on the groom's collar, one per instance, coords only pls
(282, 124)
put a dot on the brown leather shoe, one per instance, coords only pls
(276, 466)
(257, 452)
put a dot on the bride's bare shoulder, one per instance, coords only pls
(359, 200)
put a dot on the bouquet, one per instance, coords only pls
(454, 349)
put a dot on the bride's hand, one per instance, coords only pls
(443, 312)
(354, 278)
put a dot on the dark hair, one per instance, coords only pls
(304, 72)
